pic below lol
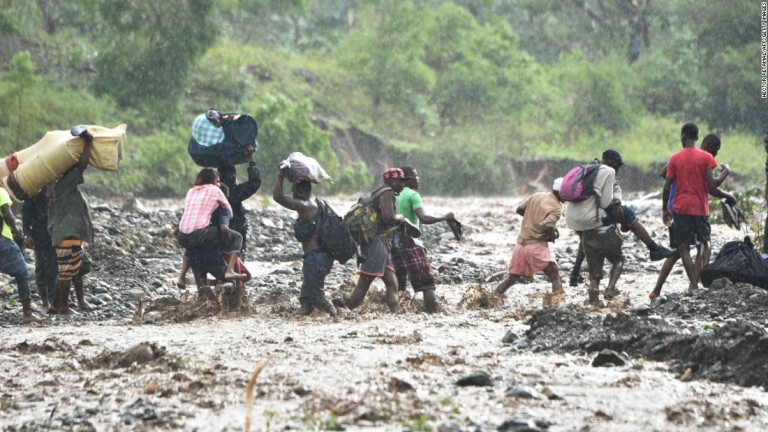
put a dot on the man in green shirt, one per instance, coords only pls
(409, 255)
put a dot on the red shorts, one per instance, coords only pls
(530, 259)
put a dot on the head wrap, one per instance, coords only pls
(393, 173)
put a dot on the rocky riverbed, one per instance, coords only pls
(150, 357)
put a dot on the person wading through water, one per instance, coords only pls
(316, 263)
(11, 259)
(195, 229)
(691, 170)
(69, 222)
(239, 192)
(531, 255)
(598, 232)
(34, 222)
(623, 216)
(409, 255)
(377, 252)
(711, 145)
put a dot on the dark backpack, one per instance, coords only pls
(362, 219)
(579, 183)
(739, 262)
(333, 234)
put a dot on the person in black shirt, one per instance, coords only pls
(239, 192)
(34, 222)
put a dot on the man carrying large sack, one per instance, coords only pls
(69, 221)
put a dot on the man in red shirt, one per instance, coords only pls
(692, 171)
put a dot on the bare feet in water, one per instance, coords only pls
(31, 319)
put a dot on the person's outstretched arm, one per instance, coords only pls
(428, 220)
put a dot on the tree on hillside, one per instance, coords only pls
(21, 113)
(277, 12)
(145, 60)
(728, 33)
(285, 127)
(596, 94)
(479, 68)
(597, 28)
(384, 54)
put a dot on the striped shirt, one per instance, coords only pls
(199, 205)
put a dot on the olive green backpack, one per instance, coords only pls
(362, 219)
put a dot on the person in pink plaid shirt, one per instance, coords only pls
(195, 229)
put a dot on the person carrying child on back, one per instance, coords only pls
(598, 235)
(195, 229)
(623, 216)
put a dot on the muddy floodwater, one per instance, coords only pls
(151, 357)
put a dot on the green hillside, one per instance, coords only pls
(460, 89)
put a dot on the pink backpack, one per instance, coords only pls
(579, 183)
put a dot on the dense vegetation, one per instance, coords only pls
(460, 87)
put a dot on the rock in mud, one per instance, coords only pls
(522, 424)
(142, 353)
(510, 337)
(476, 379)
(608, 357)
(523, 392)
(398, 385)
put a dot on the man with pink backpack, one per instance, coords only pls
(596, 214)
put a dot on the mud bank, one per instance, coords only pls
(677, 328)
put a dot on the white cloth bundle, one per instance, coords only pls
(301, 167)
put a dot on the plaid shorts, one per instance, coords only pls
(412, 261)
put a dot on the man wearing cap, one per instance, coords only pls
(540, 213)
(692, 171)
(600, 238)
(623, 216)
(377, 253)
(408, 254)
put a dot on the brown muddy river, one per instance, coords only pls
(158, 366)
